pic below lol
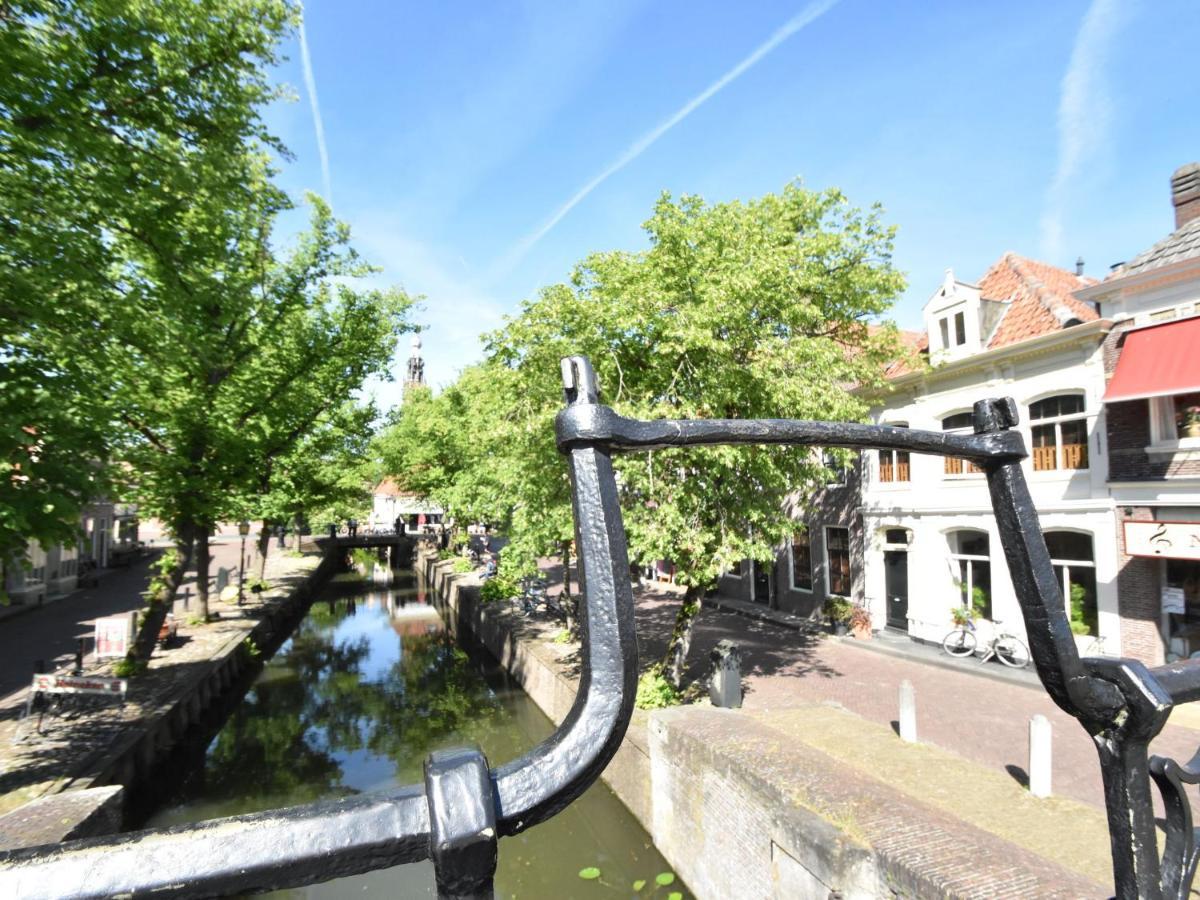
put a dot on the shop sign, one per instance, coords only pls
(79, 684)
(1170, 540)
(114, 636)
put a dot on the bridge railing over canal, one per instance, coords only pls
(457, 814)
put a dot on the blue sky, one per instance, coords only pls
(479, 150)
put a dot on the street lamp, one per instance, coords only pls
(243, 530)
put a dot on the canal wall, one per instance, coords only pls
(752, 804)
(110, 766)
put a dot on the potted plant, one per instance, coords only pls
(838, 610)
(860, 623)
(1189, 420)
(962, 616)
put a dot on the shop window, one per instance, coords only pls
(1175, 418)
(1075, 566)
(837, 560)
(961, 423)
(1184, 575)
(1059, 431)
(970, 554)
(893, 464)
(801, 561)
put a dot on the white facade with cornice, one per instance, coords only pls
(934, 534)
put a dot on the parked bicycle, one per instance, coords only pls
(1007, 648)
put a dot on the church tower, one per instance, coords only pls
(416, 365)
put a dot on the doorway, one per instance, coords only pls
(895, 576)
(760, 583)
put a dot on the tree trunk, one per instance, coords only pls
(569, 604)
(297, 522)
(264, 544)
(203, 558)
(158, 607)
(681, 636)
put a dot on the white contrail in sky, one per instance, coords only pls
(810, 13)
(1084, 113)
(310, 85)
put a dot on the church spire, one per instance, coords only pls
(416, 365)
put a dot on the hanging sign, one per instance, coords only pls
(1170, 540)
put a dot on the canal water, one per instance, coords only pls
(354, 701)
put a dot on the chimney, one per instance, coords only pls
(1079, 266)
(1185, 194)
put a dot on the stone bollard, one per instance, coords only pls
(222, 579)
(725, 686)
(1039, 756)
(908, 712)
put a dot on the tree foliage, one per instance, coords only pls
(736, 310)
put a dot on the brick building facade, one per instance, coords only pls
(1152, 423)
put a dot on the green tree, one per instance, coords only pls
(737, 310)
(226, 377)
(112, 112)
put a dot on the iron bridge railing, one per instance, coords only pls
(456, 816)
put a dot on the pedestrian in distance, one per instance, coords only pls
(352, 525)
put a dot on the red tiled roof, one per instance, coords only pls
(918, 343)
(389, 488)
(1040, 298)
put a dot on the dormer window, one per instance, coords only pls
(945, 326)
(960, 329)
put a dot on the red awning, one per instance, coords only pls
(1158, 361)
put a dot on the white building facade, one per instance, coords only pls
(929, 537)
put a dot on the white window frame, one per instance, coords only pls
(1163, 434)
(829, 592)
(812, 582)
(970, 559)
(1057, 422)
(894, 451)
(1069, 564)
(964, 475)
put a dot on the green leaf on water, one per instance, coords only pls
(664, 878)
(639, 884)
(591, 873)
(675, 895)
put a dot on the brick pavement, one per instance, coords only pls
(981, 719)
(50, 632)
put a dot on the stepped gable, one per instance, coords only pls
(1039, 295)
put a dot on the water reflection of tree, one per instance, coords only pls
(313, 705)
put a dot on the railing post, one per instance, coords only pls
(462, 824)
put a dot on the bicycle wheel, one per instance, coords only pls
(959, 642)
(1011, 652)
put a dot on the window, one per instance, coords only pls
(835, 467)
(959, 422)
(36, 573)
(67, 560)
(837, 560)
(1059, 432)
(893, 464)
(1075, 566)
(1175, 418)
(944, 324)
(960, 329)
(970, 553)
(801, 561)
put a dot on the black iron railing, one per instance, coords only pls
(456, 816)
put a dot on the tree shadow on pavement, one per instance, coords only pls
(767, 649)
